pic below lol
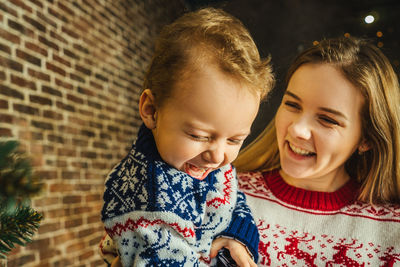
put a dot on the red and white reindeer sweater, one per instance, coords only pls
(307, 228)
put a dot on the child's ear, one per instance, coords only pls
(147, 109)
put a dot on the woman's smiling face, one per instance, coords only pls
(318, 127)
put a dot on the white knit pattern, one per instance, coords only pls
(356, 235)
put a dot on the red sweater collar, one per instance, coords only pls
(326, 201)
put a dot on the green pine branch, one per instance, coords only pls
(18, 221)
(18, 228)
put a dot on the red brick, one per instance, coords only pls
(86, 255)
(26, 109)
(75, 247)
(66, 9)
(3, 104)
(57, 36)
(46, 201)
(55, 69)
(28, 57)
(18, 27)
(48, 43)
(39, 243)
(39, 75)
(62, 238)
(8, 9)
(52, 115)
(47, 175)
(61, 187)
(6, 118)
(22, 82)
(21, 261)
(48, 253)
(73, 223)
(5, 132)
(36, 48)
(40, 100)
(37, 2)
(49, 227)
(22, 5)
(9, 36)
(94, 219)
(11, 64)
(61, 60)
(93, 197)
(75, 99)
(63, 84)
(70, 199)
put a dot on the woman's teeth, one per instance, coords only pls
(300, 151)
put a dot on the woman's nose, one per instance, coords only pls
(301, 128)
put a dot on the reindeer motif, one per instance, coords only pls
(341, 258)
(389, 259)
(262, 249)
(293, 250)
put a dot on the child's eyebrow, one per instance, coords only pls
(329, 110)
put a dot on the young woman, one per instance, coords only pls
(323, 179)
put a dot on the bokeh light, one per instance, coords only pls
(369, 19)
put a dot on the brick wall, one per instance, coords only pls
(70, 77)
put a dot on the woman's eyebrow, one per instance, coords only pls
(329, 110)
(292, 95)
(333, 111)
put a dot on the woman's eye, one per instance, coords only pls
(328, 120)
(293, 105)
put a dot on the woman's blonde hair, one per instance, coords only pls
(206, 36)
(368, 69)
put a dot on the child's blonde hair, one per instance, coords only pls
(206, 36)
(367, 68)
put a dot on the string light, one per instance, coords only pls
(379, 34)
(347, 35)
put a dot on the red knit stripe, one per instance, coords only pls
(325, 201)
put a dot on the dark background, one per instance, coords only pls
(283, 28)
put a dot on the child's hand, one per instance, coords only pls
(237, 250)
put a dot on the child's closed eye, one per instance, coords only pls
(199, 138)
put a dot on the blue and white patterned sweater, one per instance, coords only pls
(160, 216)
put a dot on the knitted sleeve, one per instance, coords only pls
(243, 227)
(153, 239)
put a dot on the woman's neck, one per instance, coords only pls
(329, 182)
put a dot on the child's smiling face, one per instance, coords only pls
(202, 126)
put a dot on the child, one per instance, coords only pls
(175, 192)
(327, 168)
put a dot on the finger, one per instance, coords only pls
(241, 260)
(216, 245)
(253, 264)
(116, 262)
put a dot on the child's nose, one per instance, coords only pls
(215, 154)
(300, 128)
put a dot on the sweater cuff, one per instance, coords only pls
(246, 232)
